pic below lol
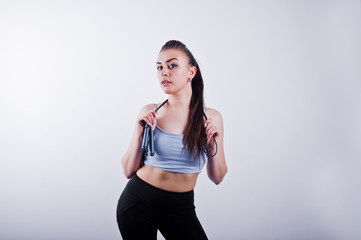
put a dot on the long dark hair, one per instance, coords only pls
(194, 134)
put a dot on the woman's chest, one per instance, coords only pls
(173, 122)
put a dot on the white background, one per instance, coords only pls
(285, 75)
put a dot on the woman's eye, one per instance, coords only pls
(172, 65)
(159, 68)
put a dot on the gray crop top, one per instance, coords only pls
(170, 154)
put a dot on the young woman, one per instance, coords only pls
(159, 194)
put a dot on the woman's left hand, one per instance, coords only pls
(216, 162)
(211, 131)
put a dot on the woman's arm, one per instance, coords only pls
(216, 166)
(133, 158)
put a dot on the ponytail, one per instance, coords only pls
(194, 134)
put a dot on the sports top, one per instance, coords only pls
(170, 154)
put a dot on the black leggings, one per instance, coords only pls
(143, 209)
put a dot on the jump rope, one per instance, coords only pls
(148, 138)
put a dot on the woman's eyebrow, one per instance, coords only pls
(168, 60)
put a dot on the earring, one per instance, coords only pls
(190, 80)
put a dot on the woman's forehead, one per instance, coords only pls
(168, 54)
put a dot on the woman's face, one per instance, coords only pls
(174, 71)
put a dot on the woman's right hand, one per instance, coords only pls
(150, 119)
(133, 158)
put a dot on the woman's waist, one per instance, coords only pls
(168, 181)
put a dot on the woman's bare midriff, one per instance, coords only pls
(169, 181)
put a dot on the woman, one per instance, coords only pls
(159, 194)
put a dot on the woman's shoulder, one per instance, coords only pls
(147, 108)
(216, 117)
(213, 113)
(151, 107)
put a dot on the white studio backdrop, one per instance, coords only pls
(284, 74)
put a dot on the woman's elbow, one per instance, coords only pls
(128, 175)
(217, 180)
(127, 170)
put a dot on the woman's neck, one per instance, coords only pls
(180, 101)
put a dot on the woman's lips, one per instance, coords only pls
(165, 82)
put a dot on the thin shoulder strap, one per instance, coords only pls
(156, 109)
(205, 113)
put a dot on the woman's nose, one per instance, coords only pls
(164, 72)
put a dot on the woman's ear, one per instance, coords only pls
(192, 72)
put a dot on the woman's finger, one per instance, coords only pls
(209, 127)
(146, 119)
(153, 116)
(211, 131)
(214, 132)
